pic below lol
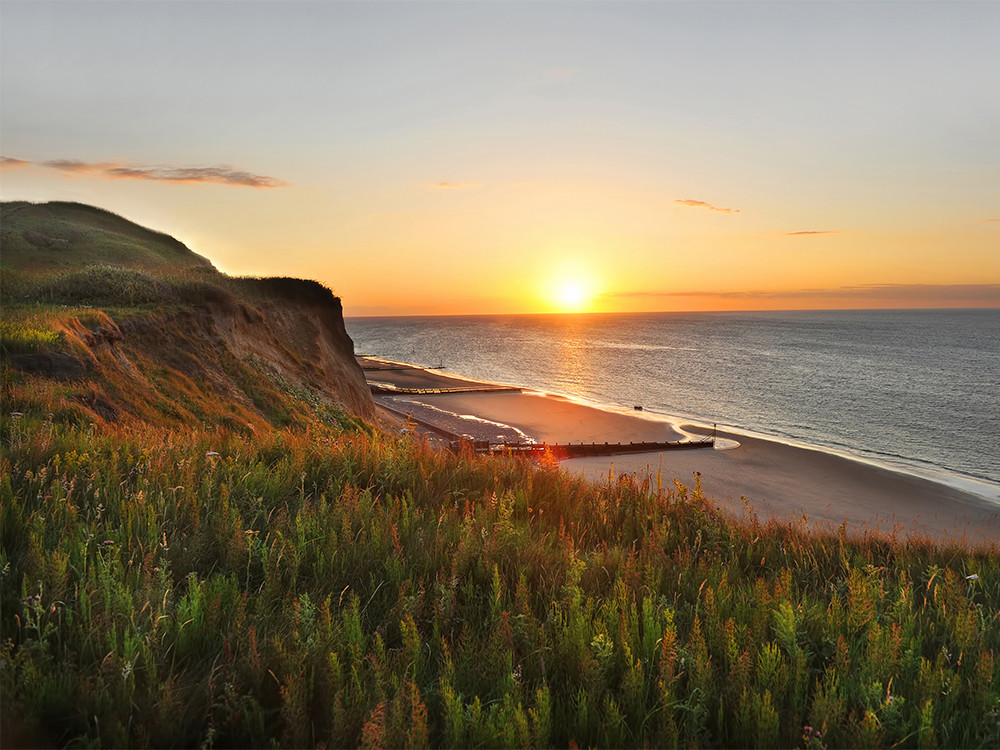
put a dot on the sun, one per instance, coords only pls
(571, 295)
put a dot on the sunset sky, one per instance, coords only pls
(483, 157)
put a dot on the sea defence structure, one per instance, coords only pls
(370, 364)
(562, 451)
(526, 448)
(377, 388)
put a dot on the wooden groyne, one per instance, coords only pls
(388, 389)
(582, 450)
(559, 451)
(387, 368)
(371, 363)
(457, 441)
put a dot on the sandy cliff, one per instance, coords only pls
(166, 338)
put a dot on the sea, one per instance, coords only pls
(912, 390)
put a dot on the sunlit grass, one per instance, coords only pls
(21, 337)
(205, 587)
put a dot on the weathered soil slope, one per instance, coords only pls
(167, 338)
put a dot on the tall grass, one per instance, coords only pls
(201, 587)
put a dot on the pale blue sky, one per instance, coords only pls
(807, 116)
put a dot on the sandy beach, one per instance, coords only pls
(779, 481)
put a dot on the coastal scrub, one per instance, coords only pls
(333, 587)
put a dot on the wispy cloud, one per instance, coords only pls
(71, 165)
(986, 294)
(222, 174)
(813, 231)
(709, 206)
(117, 170)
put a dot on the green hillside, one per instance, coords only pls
(47, 235)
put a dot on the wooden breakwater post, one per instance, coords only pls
(387, 388)
(583, 450)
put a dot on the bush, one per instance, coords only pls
(103, 286)
(23, 338)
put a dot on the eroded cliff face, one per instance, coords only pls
(298, 329)
(106, 320)
(282, 357)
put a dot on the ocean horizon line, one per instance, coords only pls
(604, 313)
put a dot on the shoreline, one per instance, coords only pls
(982, 488)
(780, 481)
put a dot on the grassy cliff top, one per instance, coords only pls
(71, 255)
(36, 236)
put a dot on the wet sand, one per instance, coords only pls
(779, 481)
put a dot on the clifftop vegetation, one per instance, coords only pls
(50, 235)
(337, 589)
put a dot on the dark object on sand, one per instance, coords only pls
(580, 450)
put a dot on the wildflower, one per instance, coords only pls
(811, 736)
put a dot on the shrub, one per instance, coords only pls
(104, 286)
(19, 338)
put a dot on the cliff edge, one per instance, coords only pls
(106, 321)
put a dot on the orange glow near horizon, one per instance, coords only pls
(494, 250)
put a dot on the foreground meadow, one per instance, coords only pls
(330, 588)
